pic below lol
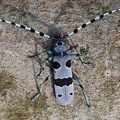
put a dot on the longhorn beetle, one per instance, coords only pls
(61, 60)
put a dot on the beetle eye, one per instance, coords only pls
(59, 43)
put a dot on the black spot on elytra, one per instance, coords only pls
(56, 65)
(59, 95)
(63, 82)
(68, 63)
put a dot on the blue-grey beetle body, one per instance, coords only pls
(63, 83)
(61, 60)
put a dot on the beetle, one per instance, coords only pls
(61, 60)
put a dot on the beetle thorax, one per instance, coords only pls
(59, 46)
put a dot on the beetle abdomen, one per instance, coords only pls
(63, 83)
(65, 94)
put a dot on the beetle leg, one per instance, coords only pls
(84, 92)
(81, 59)
(43, 66)
(41, 87)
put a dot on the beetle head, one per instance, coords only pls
(59, 46)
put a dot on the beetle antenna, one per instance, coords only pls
(91, 21)
(25, 27)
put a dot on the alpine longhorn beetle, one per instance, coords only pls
(61, 60)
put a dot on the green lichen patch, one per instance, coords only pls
(21, 109)
(7, 82)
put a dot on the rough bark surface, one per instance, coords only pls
(101, 41)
